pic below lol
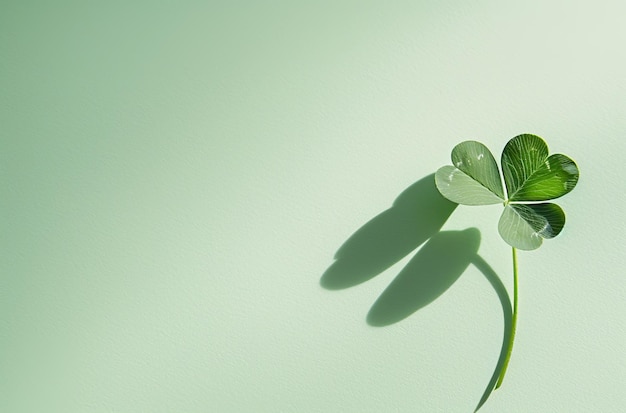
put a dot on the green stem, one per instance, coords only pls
(514, 321)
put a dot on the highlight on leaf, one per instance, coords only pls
(474, 179)
(531, 175)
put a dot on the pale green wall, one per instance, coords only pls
(176, 178)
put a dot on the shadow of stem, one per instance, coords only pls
(507, 313)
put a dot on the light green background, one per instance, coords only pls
(177, 176)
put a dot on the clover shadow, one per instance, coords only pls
(417, 214)
(433, 269)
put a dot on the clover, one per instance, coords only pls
(531, 176)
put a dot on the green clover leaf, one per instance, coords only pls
(530, 176)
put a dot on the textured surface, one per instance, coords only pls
(176, 179)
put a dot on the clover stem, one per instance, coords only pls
(513, 322)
